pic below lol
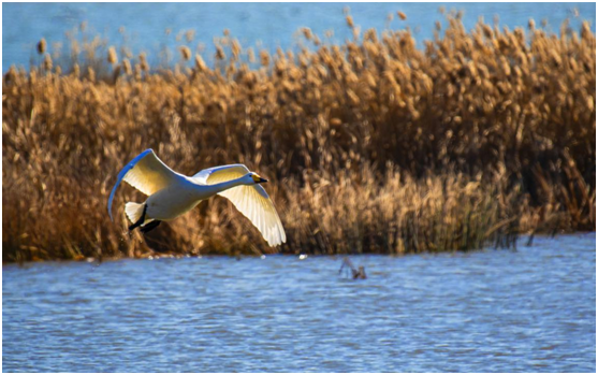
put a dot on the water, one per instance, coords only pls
(531, 310)
(272, 24)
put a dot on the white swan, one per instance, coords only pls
(171, 194)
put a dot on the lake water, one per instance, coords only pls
(530, 310)
(272, 24)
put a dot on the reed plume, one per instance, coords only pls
(374, 145)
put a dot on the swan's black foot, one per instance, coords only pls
(140, 221)
(152, 225)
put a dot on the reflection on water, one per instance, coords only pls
(527, 310)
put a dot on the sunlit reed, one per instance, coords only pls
(374, 145)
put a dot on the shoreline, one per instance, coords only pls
(523, 243)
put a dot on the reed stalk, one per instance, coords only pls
(374, 145)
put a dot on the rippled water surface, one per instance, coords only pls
(526, 310)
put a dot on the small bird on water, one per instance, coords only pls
(357, 273)
(171, 194)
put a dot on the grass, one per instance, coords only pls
(372, 145)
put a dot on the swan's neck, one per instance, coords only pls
(217, 188)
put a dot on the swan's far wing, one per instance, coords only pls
(255, 204)
(251, 200)
(146, 173)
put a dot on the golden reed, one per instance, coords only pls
(373, 145)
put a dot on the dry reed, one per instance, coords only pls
(371, 146)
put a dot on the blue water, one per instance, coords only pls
(530, 310)
(271, 24)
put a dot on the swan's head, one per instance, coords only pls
(254, 178)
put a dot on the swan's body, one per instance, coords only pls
(171, 194)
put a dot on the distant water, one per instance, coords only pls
(530, 310)
(272, 24)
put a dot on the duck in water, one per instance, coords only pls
(357, 273)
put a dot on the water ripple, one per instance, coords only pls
(526, 311)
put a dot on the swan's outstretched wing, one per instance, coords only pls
(145, 173)
(256, 205)
(251, 200)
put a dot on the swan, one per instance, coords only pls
(171, 194)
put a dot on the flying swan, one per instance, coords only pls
(171, 194)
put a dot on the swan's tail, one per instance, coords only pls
(134, 211)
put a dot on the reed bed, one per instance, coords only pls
(372, 145)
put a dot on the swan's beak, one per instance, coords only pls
(262, 180)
